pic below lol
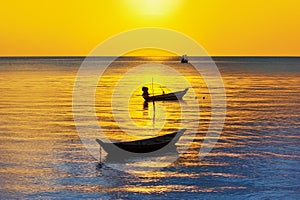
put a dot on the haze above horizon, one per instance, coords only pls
(223, 28)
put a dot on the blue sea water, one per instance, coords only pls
(256, 157)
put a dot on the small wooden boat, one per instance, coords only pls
(143, 146)
(164, 97)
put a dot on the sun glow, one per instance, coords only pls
(35, 28)
(153, 7)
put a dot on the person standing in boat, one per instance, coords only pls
(145, 92)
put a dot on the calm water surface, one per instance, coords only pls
(256, 157)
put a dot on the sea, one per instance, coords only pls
(53, 108)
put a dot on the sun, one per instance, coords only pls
(153, 7)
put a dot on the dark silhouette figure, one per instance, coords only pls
(184, 59)
(145, 105)
(145, 92)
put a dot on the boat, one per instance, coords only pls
(184, 59)
(142, 146)
(164, 97)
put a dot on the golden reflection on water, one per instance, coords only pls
(40, 148)
(37, 106)
(35, 116)
(154, 119)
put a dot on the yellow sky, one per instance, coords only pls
(222, 27)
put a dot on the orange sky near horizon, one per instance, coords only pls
(222, 27)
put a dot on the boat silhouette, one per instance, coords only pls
(164, 97)
(184, 59)
(142, 146)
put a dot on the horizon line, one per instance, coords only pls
(81, 56)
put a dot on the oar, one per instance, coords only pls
(153, 119)
(152, 89)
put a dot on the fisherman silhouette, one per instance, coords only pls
(145, 92)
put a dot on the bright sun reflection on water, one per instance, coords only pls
(167, 116)
(257, 154)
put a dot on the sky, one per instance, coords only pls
(222, 27)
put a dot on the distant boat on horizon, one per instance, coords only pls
(184, 59)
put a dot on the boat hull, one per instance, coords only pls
(167, 97)
(142, 146)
